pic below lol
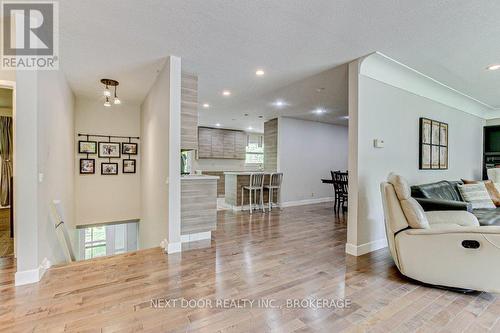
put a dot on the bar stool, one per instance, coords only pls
(256, 184)
(274, 185)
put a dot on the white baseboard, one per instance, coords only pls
(174, 247)
(359, 250)
(307, 202)
(196, 237)
(287, 204)
(32, 275)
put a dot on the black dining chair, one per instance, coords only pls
(340, 186)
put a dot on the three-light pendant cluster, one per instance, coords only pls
(107, 92)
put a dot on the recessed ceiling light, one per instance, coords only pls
(493, 67)
(218, 125)
(319, 111)
(250, 128)
(260, 72)
(226, 93)
(206, 105)
(279, 103)
(345, 117)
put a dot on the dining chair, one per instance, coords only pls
(340, 185)
(256, 184)
(275, 180)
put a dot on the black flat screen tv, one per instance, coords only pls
(492, 139)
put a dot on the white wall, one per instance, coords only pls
(390, 113)
(307, 152)
(43, 168)
(26, 176)
(101, 198)
(160, 132)
(55, 160)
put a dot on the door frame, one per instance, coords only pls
(6, 84)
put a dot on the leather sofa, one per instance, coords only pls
(451, 251)
(444, 195)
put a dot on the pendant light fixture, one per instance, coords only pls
(107, 92)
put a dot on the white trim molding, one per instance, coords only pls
(174, 247)
(382, 68)
(307, 202)
(196, 236)
(286, 204)
(32, 275)
(359, 250)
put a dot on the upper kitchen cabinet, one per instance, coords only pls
(240, 145)
(189, 112)
(205, 142)
(217, 143)
(229, 146)
(221, 143)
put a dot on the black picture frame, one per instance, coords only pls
(92, 152)
(104, 154)
(82, 170)
(134, 164)
(433, 144)
(107, 173)
(126, 151)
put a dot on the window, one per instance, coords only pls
(107, 240)
(254, 149)
(95, 242)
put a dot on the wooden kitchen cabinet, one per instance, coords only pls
(229, 146)
(240, 145)
(204, 142)
(219, 143)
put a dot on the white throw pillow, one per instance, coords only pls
(477, 195)
(403, 190)
(414, 213)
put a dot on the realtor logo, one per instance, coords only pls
(30, 35)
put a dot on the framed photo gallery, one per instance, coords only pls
(433, 145)
(108, 150)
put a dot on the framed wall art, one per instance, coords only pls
(87, 166)
(128, 166)
(129, 148)
(87, 147)
(109, 169)
(109, 150)
(433, 144)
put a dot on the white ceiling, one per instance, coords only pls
(224, 42)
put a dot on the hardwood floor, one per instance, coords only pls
(297, 253)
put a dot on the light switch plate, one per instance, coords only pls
(378, 143)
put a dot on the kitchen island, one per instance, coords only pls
(234, 181)
(198, 207)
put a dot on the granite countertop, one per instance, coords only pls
(198, 177)
(245, 173)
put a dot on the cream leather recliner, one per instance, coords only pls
(452, 251)
(494, 175)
